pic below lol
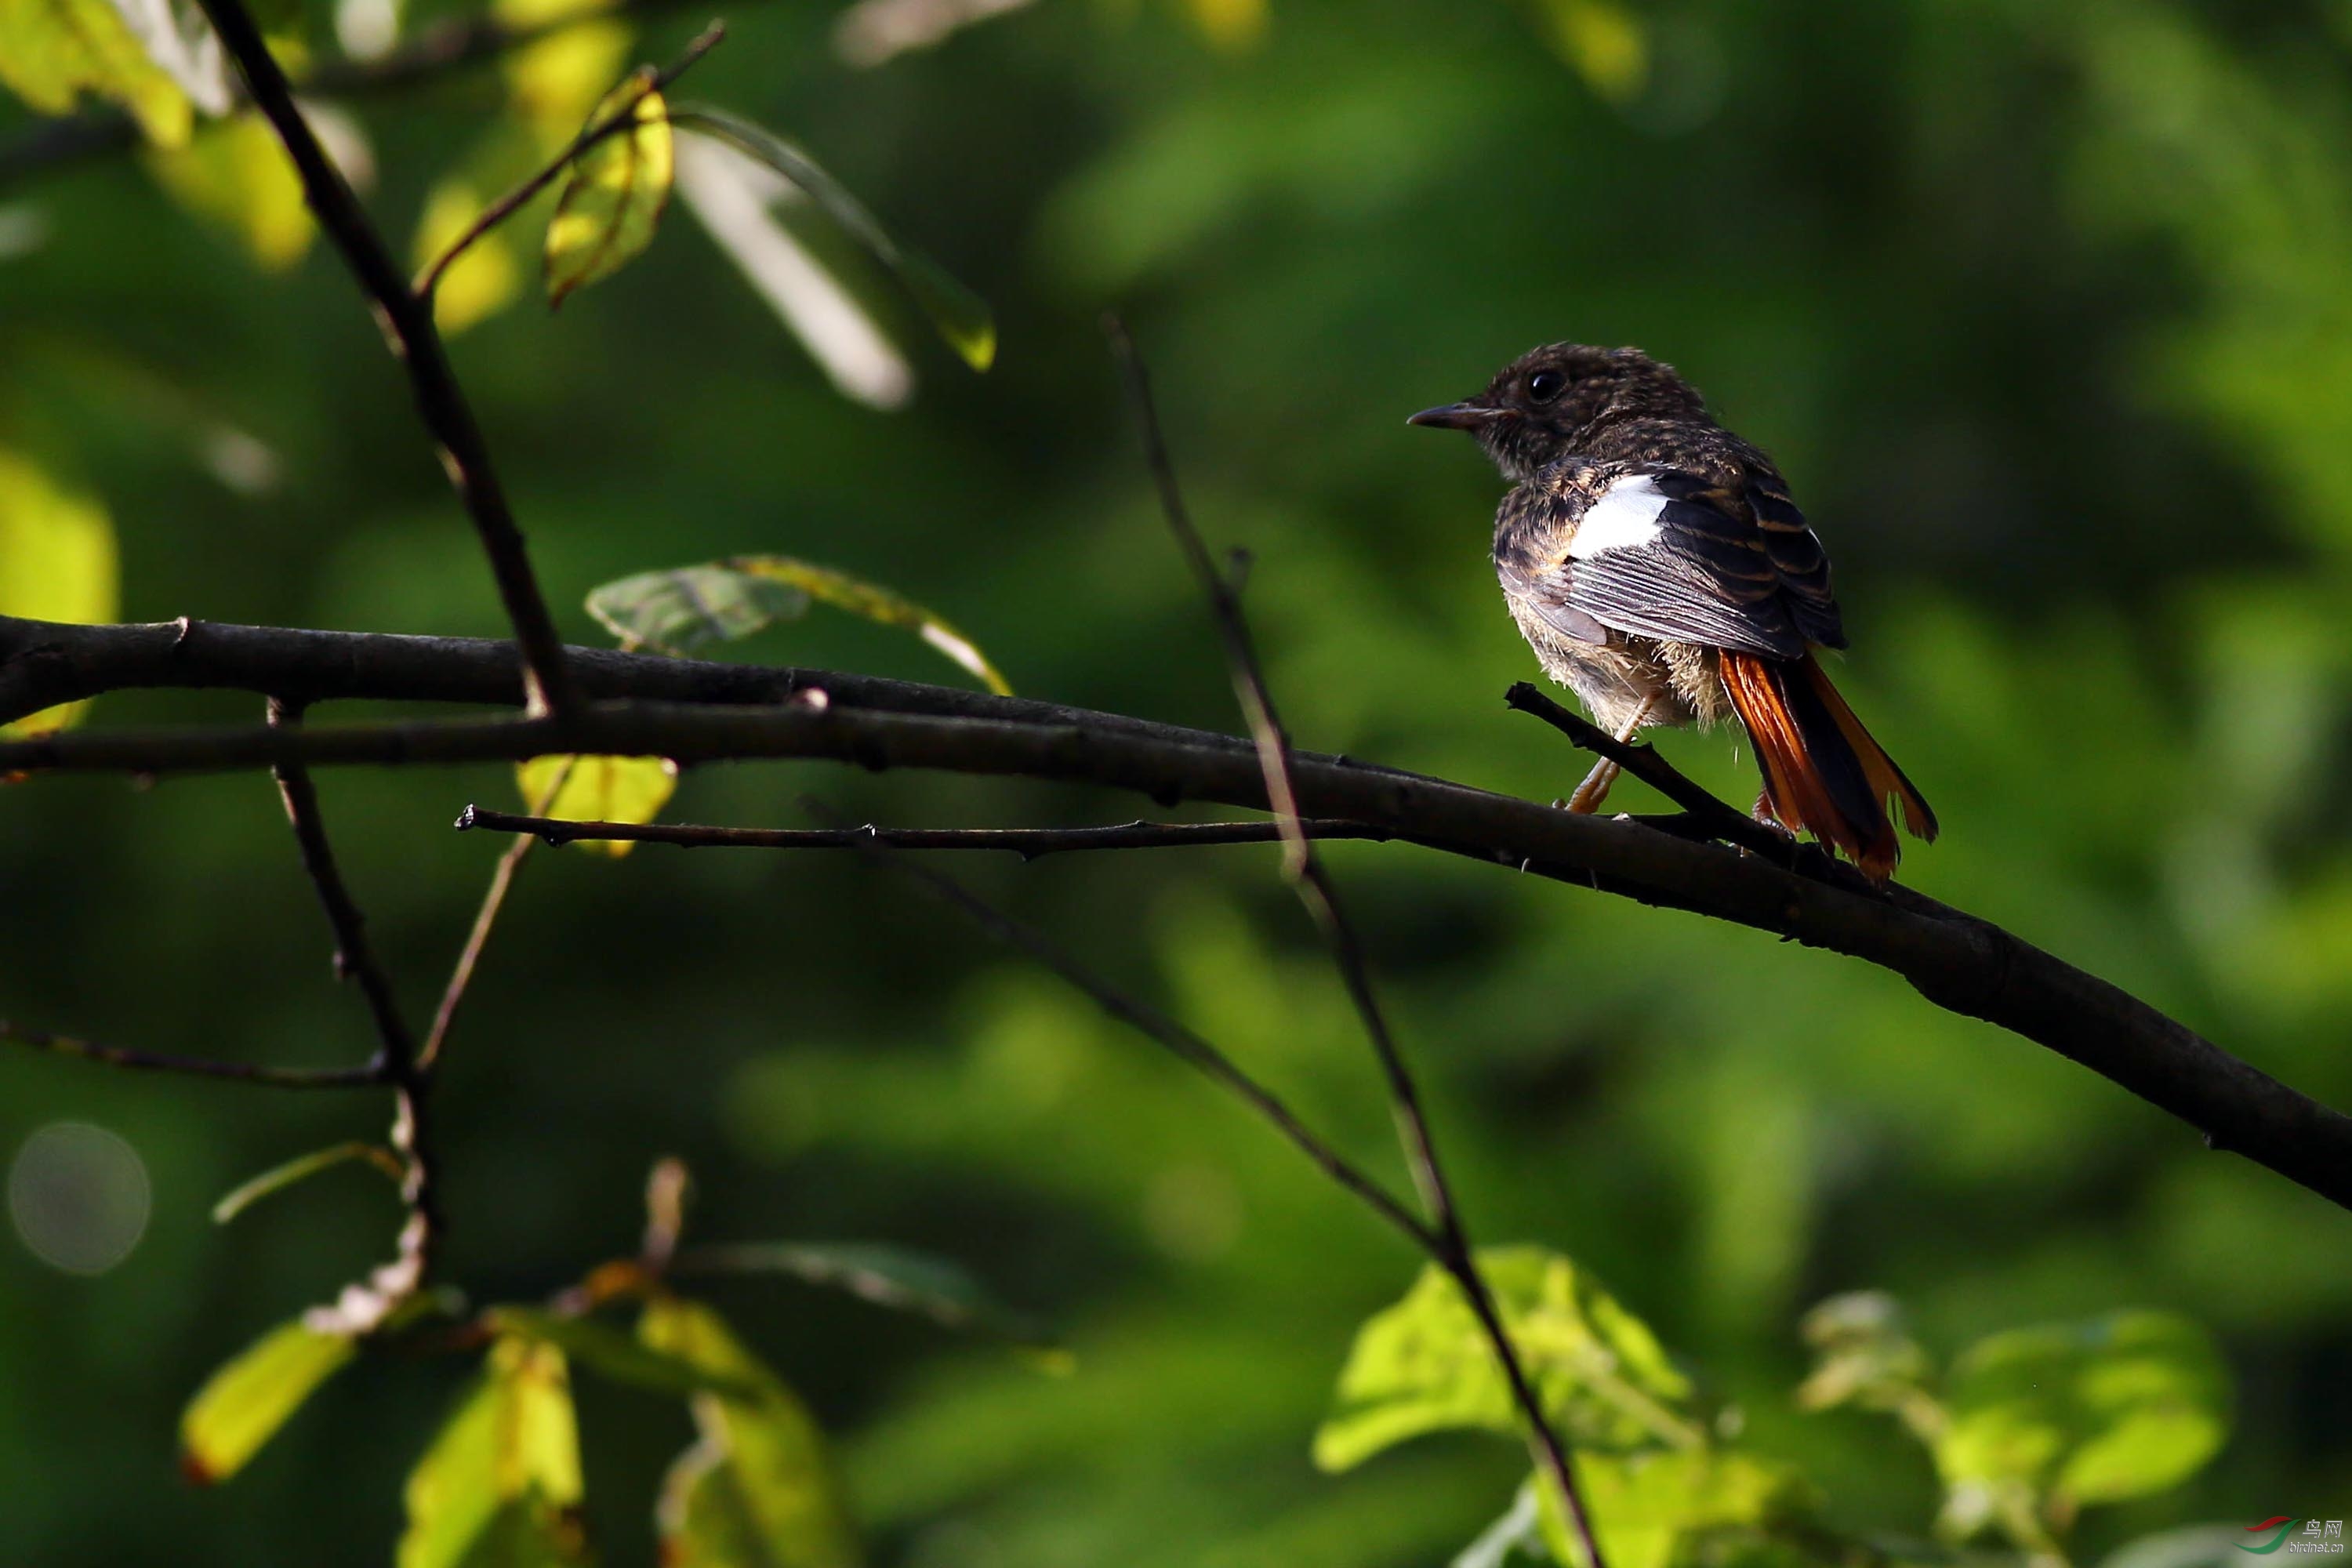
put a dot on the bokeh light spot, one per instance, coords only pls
(80, 1197)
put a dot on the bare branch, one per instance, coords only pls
(647, 80)
(407, 322)
(1452, 1247)
(1720, 819)
(354, 959)
(1957, 960)
(189, 1067)
(43, 663)
(364, 1307)
(1029, 843)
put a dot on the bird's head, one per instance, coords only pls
(1544, 404)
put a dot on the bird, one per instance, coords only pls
(1660, 570)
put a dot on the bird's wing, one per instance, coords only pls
(1661, 553)
(1797, 555)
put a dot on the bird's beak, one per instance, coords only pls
(1459, 417)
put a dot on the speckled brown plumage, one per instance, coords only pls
(1659, 568)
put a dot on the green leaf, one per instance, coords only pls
(279, 1177)
(932, 1286)
(614, 1354)
(500, 1486)
(251, 1397)
(689, 606)
(875, 603)
(238, 177)
(1865, 1357)
(1650, 1511)
(757, 1488)
(719, 601)
(2117, 1407)
(1520, 1529)
(57, 562)
(1424, 1365)
(960, 317)
(598, 789)
(614, 196)
(51, 51)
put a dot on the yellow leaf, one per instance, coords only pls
(51, 51)
(759, 1486)
(598, 789)
(501, 1483)
(1601, 42)
(1231, 24)
(613, 195)
(555, 80)
(245, 1400)
(483, 279)
(238, 177)
(57, 564)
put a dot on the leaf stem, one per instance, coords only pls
(648, 82)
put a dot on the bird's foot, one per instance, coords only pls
(1588, 796)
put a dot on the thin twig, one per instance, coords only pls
(461, 974)
(1179, 1042)
(647, 80)
(1029, 843)
(354, 959)
(1306, 871)
(407, 323)
(1233, 627)
(365, 1307)
(1721, 819)
(189, 1067)
(486, 919)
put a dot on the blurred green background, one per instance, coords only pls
(2045, 310)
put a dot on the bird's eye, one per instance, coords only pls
(1546, 384)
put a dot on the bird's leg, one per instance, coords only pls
(1588, 795)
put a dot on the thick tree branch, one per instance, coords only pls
(43, 663)
(407, 322)
(1959, 962)
(189, 1067)
(1029, 843)
(1451, 1248)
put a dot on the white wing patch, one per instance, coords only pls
(1624, 517)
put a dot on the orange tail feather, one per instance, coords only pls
(1823, 772)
